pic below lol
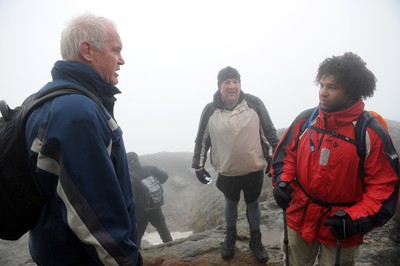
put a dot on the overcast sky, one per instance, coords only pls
(174, 49)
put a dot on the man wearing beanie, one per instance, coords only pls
(241, 137)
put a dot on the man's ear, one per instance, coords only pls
(86, 51)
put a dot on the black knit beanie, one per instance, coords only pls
(227, 73)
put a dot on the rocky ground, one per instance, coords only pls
(191, 206)
(202, 249)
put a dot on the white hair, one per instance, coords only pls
(83, 28)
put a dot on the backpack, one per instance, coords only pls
(361, 141)
(20, 201)
(153, 193)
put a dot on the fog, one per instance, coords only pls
(174, 49)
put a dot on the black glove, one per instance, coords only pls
(283, 195)
(203, 176)
(342, 225)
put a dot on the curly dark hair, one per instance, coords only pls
(350, 72)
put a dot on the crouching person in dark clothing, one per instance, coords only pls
(148, 198)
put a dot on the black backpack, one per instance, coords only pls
(20, 202)
(153, 193)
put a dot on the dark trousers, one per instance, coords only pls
(156, 219)
(396, 220)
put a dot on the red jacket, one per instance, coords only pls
(330, 174)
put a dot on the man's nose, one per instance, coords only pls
(121, 61)
(323, 91)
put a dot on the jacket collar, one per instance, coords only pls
(217, 99)
(87, 77)
(335, 119)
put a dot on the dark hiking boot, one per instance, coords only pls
(395, 237)
(257, 247)
(228, 247)
(395, 234)
(165, 236)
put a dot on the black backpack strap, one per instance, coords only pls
(38, 99)
(35, 100)
(53, 92)
(320, 202)
(360, 138)
(309, 125)
(335, 134)
(312, 114)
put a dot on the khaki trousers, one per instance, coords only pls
(303, 253)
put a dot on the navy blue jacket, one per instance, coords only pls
(78, 157)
